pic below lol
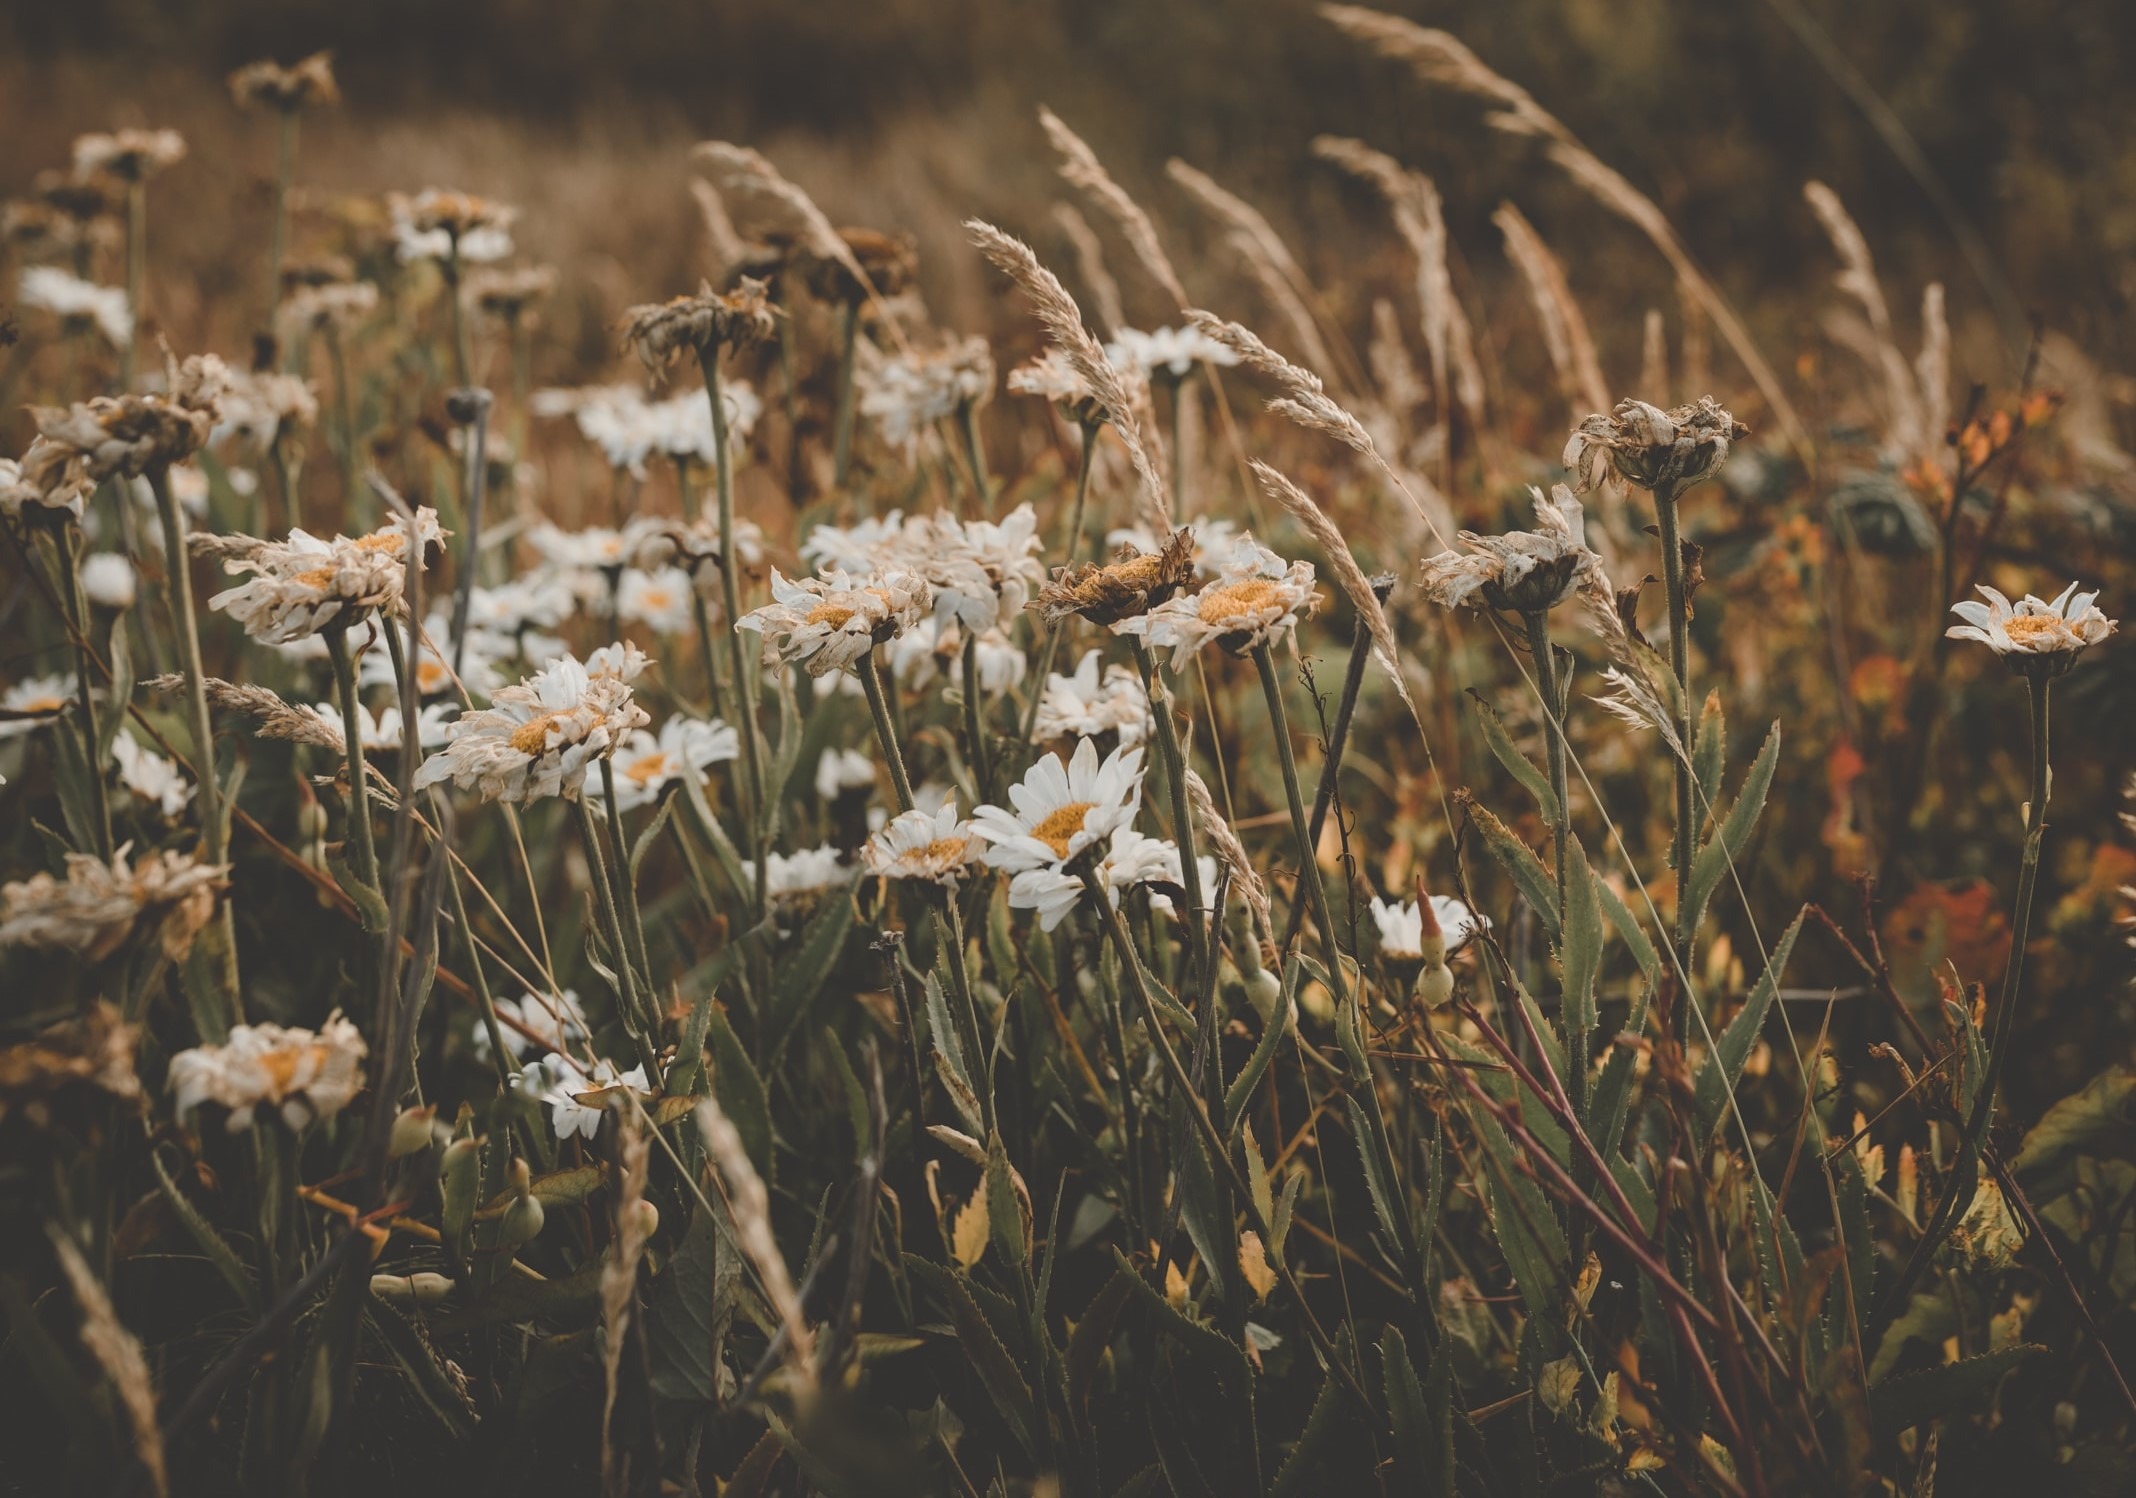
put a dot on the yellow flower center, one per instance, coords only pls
(1238, 603)
(2032, 631)
(833, 614)
(532, 738)
(945, 850)
(387, 541)
(431, 676)
(646, 768)
(43, 705)
(1060, 826)
(282, 1066)
(655, 598)
(321, 578)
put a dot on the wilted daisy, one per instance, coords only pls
(1095, 700)
(303, 1075)
(150, 776)
(905, 394)
(1256, 600)
(539, 601)
(129, 155)
(795, 880)
(647, 764)
(557, 1082)
(935, 846)
(982, 572)
(695, 547)
(538, 738)
(437, 224)
(1168, 352)
(304, 584)
(558, 1022)
(1526, 572)
(80, 446)
(1131, 858)
(35, 701)
(79, 303)
(2033, 633)
(1062, 807)
(432, 666)
(98, 905)
(338, 305)
(1403, 934)
(890, 261)
(506, 294)
(260, 406)
(304, 84)
(842, 770)
(108, 580)
(828, 623)
(1211, 540)
(1133, 582)
(934, 646)
(661, 332)
(658, 600)
(1653, 448)
(859, 548)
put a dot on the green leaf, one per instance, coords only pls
(1929, 1317)
(948, 1044)
(997, 1371)
(1286, 1204)
(1264, 1201)
(1581, 956)
(1537, 885)
(1718, 1074)
(1238, 1097)
(740, 1092)
(1004, 1208)
(1612, 1097)
(1944, 1393)
(1724, 849)
(419, 1360)
(681, 1340)
(1201, 1208)
(119, 694)
(1388, 1204)
(1707, 754)
(1093, 1333)
(1517, 764)
(1528, 1231)
(2103, 1113)
(800, 977)
(1634, 935)
(1407, 1412)
(644, 841)
(370, 905)
(219, 1252)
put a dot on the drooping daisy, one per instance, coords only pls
(1131, 858)
(1062, 807)
(437, 224)
(1527, 572)
(1653, 448)
(306, 584)
(646, 764)
(1256, 600)
(906, 394)
(1403, 936)
(260, 406)
(662, 332)
(35, 701)
(79, 303)
(81, 445)
(150, 776)
(304, 84)
(1133, 582)
(303, 1075)
(936, 647)
(2033, 632)
(936, 846)
(558, 1022)
(130, 155)
(557, 1082)
(828, 623)
(98, 905)
(982, 572)
(658, 600)
(1088, 704)
(859, 548)
(538, 738)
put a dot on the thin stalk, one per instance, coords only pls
(345, 400)
(626, 885)
(1071, 543)
(871, 681)
(490, 1025)
(975, 719)
(136, 275)
(731, 597)
(285, 167)
(1958, 1195)
(1179, 450)
(686, 493)
(975, 454)
(1672, 571)
(949, 936)
(337, 650)
(604, 901)
(462, 354)
(70, 591)
(1546, 683)
(1175, 769)
(1316, 890)
(842, 438)
(476, 405)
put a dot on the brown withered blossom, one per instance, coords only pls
(304, 84)
(661, 331)
(1133, 582)
(1665, 451)
(506, 294)
(128, 155)
(80, 446)
(69, 1065)
(890, 262)
(99, 905)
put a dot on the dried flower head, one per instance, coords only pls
(457, 227)
(507, 294)
(1133, 582)
(305, 584)
(889, 261)
(260, 406)
(539, 738)
(1256, 600)
(828, 623)
(337, 306)
(2033, 634)
(87, 1058)
(305, 84)
(79, 446)
(99, 905)
(661, 332)
(1665, 451)
(1527, 572)
(77, 303)
(129, 155)
(303, 1075)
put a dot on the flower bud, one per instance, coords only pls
(1434, 987)
(412, 1131)
(422, 1288)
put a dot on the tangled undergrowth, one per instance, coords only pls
(800, 916)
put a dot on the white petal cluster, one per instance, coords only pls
(1169, 352)
(559, 1020)
(828, 623)
(1131, 858)
(50, 289)
(1525, 571)
(934, 846)
(905, 394)
(303, 1075)
(1095, 700)
(557, 1082)
(156, 780)
(1061, 807)
(98, 905)
(647, 764)
(539, 738)
(1257, 599)
(1404, 938)
(797, 879)
(2032, 626)
(935, 647)
(305, 584)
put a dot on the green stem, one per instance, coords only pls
(975, 720)
(1316, 890)
(180, 581)
(949, 936)
(975, 454)
(1672, 571)
(1546, 684)
(871, 681)
(604, 901)
(731, 597)
(1071, 543)
(462, 354)
(842, 439)
(345, 400)
(626, 885)
(1175, 770)
(499, 1052)
(337, 650)
(67, 535)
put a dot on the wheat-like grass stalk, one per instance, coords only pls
(749, 1204)
(118, 1352)
(1081, 169)
(1231, 853)
(278, 719)
(1063, 321)
(1282, 280)
(1565, 335)
(1654, 356)
(1438, 57)
(1857, 278)
(1090, 266)
(619, 1271)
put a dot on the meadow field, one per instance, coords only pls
(960, 749)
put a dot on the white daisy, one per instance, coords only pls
(304, 584)
(828, 623)
(538, 738)
(558, 1082)
(108, 580)
(1131, 859)
(2032, 628)
(935, 646)
(646, 765)
(931, 845)
(1256, 600)
(559, 1020)
(37, 699)
(304, 1075)
(1167, 351)
(50, 289)
(658, 600)
(858, 548)
(905, 394)
(1061, 808)
(795, 879)
(433, 667)
(150, 776)
(1088, 703)
(1405, 933)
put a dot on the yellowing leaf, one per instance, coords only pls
(1645, 1459)
(1558, 1383)
(1175, 1285)
(1253, 1263)
(968, 1238)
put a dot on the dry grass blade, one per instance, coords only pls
(1282, 279)
(750, 1206)
(1437, 57)
(1081, 169)
(1932, 367)
(1090, 265)
(1229, 851)
(769, 203)
(1348, 575)
(1857, 278)
(1572, 348)
(1064, 322)
(619, 1273)
(1654, 357)
(728, 248)
(118, 1352)
(277, 719)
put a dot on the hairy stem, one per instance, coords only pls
(730, 585)
(360, 843)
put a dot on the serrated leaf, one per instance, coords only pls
(996, 1369)
(370, 905)
(1633, 934)
(1536, 883)
(1725, 848)
(949, 1045)
(1321, 1426)
(740, 1091)
(1528, 1231)
(1387, 1201)
(1522, 769)
(1259, 1274)
(119, 694)
(680, 1306)
(1581, 957)
(1239, 1095)
(800, 976)
(1707, 754)
(1257, 1179)
(1407, 1411)
(1207, 1222)
(1005, 1204)
(2101, 1113)
(219, 1252)
(1718, 1074)
(1944, 1393)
